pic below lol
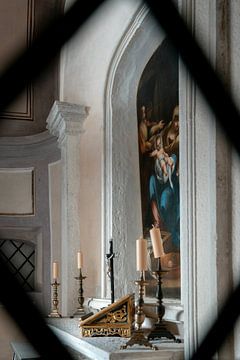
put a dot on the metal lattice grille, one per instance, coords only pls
(20, 256)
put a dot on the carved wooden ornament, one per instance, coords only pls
(114, 320)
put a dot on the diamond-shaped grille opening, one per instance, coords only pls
(20, 256)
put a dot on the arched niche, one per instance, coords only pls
(158, 134)
(122, 205)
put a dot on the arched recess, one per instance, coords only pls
(122, 197)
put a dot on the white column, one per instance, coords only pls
(65, 121)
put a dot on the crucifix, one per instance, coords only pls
(110, 271)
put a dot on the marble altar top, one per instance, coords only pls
(108, 348)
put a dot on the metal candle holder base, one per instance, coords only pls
(159, 329)
(138, 337)
(54, 312)
(80, 310)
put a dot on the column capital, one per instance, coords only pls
(66, 119)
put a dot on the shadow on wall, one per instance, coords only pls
(8, 332)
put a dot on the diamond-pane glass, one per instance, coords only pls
(20, 257)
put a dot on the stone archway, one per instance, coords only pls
(122, 184)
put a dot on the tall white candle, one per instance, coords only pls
(79, 259)
(55, 270)
(157, 244)
(141, 254)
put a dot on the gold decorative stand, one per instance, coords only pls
(159, 329)
(114, 320)
(138, 337)
(80, 310)
(54, 312)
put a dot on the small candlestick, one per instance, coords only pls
(159, 329)
(138, 336)
(80, 310)
(55, 302)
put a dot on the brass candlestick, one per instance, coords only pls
(54, 312)
(138, 336)
(80, 310)
(159, 329)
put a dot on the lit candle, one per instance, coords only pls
(141, 254)
(157, 244)
(55, 270)
(79, 259)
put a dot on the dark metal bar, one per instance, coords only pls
(228, 116)
(110, 256)
(34, 61)
(112, 271)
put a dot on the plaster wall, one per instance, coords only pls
(197, 187)
(205, 178)
(85, 64)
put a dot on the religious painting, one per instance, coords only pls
(158, 131)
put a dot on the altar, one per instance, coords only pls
(104, 348)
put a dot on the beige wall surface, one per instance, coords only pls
(85, 63)
(16, 191)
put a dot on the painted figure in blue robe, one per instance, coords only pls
(164, 182)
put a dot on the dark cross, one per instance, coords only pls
(110, 271)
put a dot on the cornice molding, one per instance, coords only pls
(26, 146)
(66, 119)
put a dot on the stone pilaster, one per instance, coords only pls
(65, 121)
